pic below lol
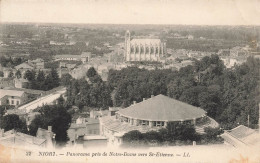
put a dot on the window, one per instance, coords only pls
(12, 101)
(159, 123)
(17, 102)
(144, 122)
(7, 101)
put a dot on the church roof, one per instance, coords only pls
(146, 41)
(162, 108)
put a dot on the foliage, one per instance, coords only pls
(12, 121)
(212, 136)
(95, 93)
(41, 81)
(11, 62)
(65, 79)
(133, 84)
(173, 134)
(55, 116)
(228, 95)
(18, 74)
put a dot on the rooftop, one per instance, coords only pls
(162, 108)
(242, 135)
(145, 41)
(94, 137)
(15, 93)
(12, 137)
(122, 127)
(23, 66)
(241, 132)
(67, 56)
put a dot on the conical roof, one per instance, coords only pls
(162, 108)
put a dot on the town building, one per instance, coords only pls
(241, 136)
(84, 57)
(8, 72)
(47, 135)
(18, 139)
(82, 127)
(12, 97)
(145, 49)
(153, 114)
(37, 63)
(21, 83)
(6, 82)
(43, 139)
(24, 66)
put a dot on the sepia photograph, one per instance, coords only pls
(129, 81)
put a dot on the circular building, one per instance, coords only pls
(153, 114)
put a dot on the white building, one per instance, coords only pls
(146, 49)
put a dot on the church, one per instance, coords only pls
(145, 49)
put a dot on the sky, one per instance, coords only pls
(185, 12)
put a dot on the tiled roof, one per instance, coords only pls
(67, 56)
(15, 93)
(162, 108)
(86, 54)
(89, 121)
(241, 132)
(122, 127)
(25, 140)
(23, 66)
(242, 135)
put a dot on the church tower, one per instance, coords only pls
(127, 45)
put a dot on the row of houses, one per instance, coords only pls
(37, 64)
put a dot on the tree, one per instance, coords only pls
(12, 121)
(66, 79)
(133, 138)
(18, 74)
(29, 75)
(212, 135)
(55, 77)
(40, 79)
(61, 101)
(1, 74)
(91, 72)
(182, 132)
(153, 137)
(10, 75)
(2, 110)
(55, 116)
(93, 75)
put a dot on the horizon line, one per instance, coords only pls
(17, 22)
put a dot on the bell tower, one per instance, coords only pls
(127, 45)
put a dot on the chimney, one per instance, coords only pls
(134, 102)
(152, 96)
(50, 128)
